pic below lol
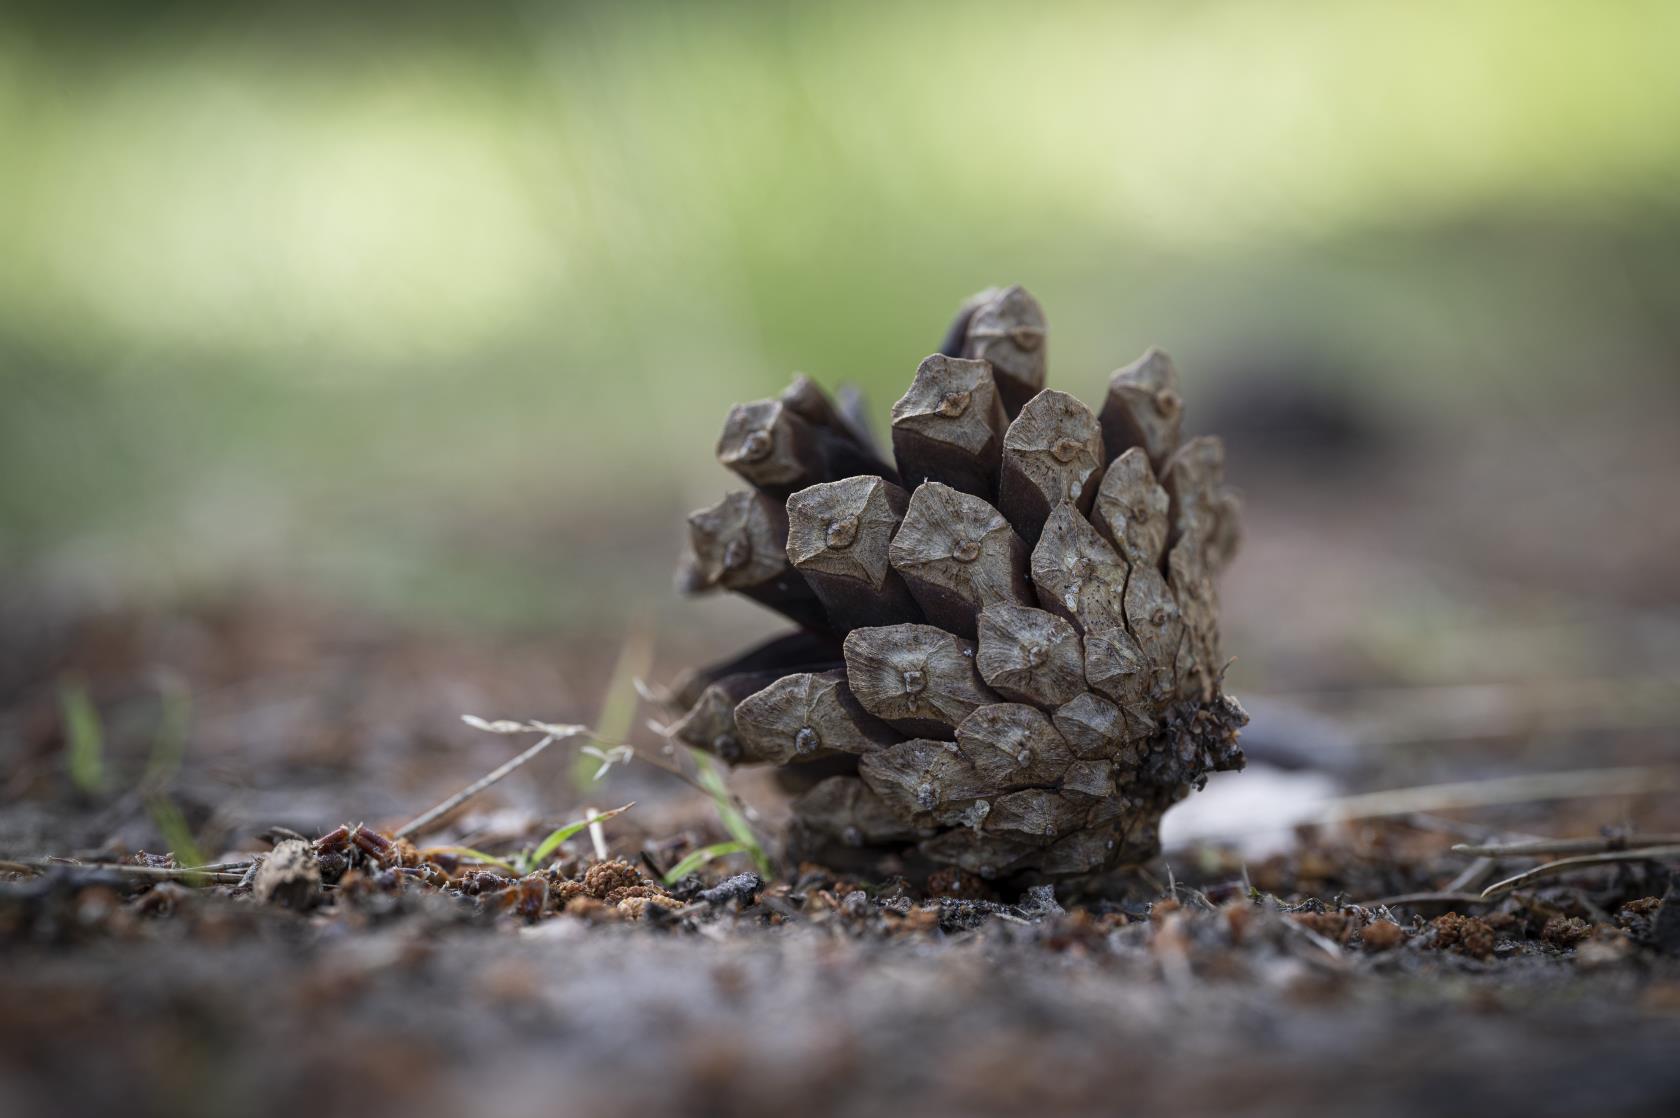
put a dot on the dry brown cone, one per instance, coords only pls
(1008, 655)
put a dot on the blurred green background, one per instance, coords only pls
(440, 310)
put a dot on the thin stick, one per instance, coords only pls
(1537, 847)
(597, 833)
(473, 789)
(1426, 898)
(39, 865)
(222, 867)
(1564, 865)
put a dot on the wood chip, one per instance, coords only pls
(289, 876)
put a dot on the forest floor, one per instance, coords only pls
(1434, 655)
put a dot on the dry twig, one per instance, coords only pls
(1585, 861)
(1538, 847)
(430, 816)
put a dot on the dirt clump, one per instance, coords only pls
(1467, 935)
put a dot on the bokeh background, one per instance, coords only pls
(439, 313)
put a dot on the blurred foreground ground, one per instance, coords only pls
(1406, 612)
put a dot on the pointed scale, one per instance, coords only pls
(1131, 509)
(1030, 655)
(1009, 331)
(1143, 408)
(948, 426)
(740, 544)
(1052, 453)
(804, 717)
(958, 555)
(1078, 575)
(919, 679)
(839, 535)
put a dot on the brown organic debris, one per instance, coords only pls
(289, 876)
(1467, 935)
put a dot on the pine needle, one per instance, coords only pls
(551, 734)
(1585, 861)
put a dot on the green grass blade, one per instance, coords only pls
(733, 819)
(177, 836)
(698, 858)
(560, 834)
(84, 738)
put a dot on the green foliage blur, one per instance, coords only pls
(441, 309)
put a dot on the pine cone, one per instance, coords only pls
(1008, 656)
